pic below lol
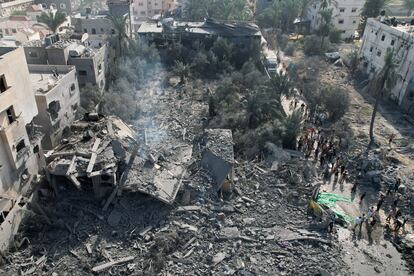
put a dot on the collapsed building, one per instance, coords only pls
(241, 34)
(103, 154)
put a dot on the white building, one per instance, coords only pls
(7, 7)
(141, 10)
(345, 15)
(378, 37)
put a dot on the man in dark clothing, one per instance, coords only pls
(380, 202)
(397, 184)
(396, 201)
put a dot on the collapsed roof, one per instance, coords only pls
(104, 152)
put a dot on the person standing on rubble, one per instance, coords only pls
(362, 197)
(395, 202)
(397, 184)
(380, 201)
(357, 222)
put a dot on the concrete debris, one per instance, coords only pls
(218, 155)
(108, 265)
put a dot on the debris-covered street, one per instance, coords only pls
(262, 228)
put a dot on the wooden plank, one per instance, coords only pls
(75, 181)
(110, 198)
(71, 166)
(93, 156)
(112, 263)
(103, 147)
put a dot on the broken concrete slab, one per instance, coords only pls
(218, 155)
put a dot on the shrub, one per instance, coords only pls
(290, 49)
(335, 101)
(312, 45)
(335, 36)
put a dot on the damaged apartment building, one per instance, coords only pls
(245, 36)
(37, 106)
(380, 35)
(90, 62)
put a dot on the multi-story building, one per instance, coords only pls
(57, 97)
(345, 15)
(118, 7)
(380, 36)
(141, 10)
(64, 6)
(90, 62)
(98, 27)
(7, 7)
(19, 147)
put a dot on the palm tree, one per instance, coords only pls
(119, 24)
(182, 70)
(292, 126)
(383, 82)
(409, 5)
(325, 29)
(281, 84)
(51, 20)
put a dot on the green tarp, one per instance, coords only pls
(329, 200)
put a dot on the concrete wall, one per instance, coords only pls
(7, 8)
(345, 16)
(378, 37)
(93, 26)
(18, 95)
(65, 6)
(91, 69)
(66, 92)
(57, 56)
(218, 168)
(35, 55)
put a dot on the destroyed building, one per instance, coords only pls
(20, 149)
(57, 96)
(66, 7)
(102, 153)
(218, 156)
(380, 35)
(243, 34)
(90, 62)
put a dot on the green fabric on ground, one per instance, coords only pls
(330, 200)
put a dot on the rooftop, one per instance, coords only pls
(226, 29)
(402, 26)
(45, 77)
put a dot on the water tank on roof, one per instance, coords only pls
(77, 51)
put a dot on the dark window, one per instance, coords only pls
(370, 49)
(354, 9)
(341, 9)
(33, 54)
(7, 31)
(72, 87)
(11, 116)
(21, 145)
(102, 30)
(379, 53)
(93, 31)
(392, 42)
(3, 84)
(85, 30)
(383, 38)
(82, 73)
(340, 21)
(14, 31)
(36, 149)
(112, 31)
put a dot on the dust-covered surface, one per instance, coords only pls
(262, 228)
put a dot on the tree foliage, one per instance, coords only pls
(409, 5)
(120, 26)
(51, 20)
(217, 9)
(281, 15)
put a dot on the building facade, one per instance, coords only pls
(345, 15)
(19, 146)
(7, 7)
(64, 6)
(90, 62)
(141, 10)
(57, 97)
(380, 36)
